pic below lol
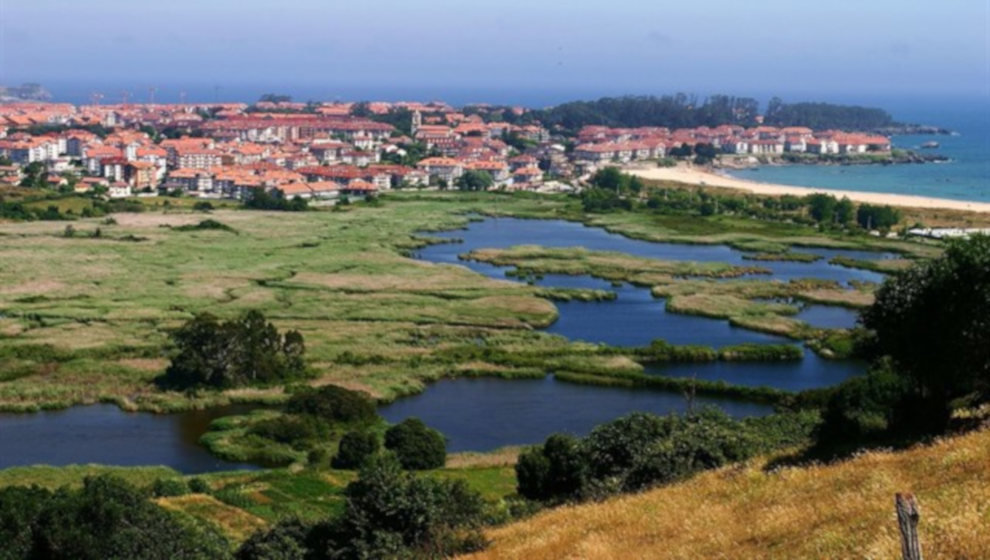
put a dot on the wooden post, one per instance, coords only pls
(907, 518)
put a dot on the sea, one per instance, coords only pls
(965, 176)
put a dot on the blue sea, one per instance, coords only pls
(965, 177)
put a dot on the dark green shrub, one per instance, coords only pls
(556, 470)
(199, 486)
(284, 541)
(863, 408)
(354, 449)
(333, 403)
(612, 448)
(417, 446)
(167, 487)
(291, 429)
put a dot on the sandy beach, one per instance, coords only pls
(697, 176)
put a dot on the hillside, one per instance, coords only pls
(844, 510)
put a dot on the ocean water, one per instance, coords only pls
(965, 177)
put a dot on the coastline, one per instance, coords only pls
(707, 178)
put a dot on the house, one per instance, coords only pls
(119, 189)
(442, 168)
(498, 170)
(527, 175)
(141, 175)
(316, 190)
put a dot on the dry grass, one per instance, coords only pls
(844, 510)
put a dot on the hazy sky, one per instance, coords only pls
(810, 49)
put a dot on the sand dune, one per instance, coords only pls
(699, 176)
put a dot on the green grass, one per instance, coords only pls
(373, 318)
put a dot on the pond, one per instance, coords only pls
(505, 232)
(105, 434)
(485, 414)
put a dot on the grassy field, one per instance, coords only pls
(240, 502)
(85, 319)
(842, 510)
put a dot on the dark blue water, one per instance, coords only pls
(485, 414)
(812, 372)
(506, 232)
(106, 435)
(828, 316)
(636, 318)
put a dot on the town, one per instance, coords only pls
(332, 151)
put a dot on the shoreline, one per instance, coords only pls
(708, 178)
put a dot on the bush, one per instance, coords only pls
(417, 446)
(333, 403)
(556, 470)
(284, 541)
(168, 487)
(863, 408)
(202, 206)
(641, 450)
(199, 486)
(291, 430)
(354, 450)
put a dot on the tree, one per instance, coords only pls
(845, 211)
(822, 207)
(933, 320)
(275, 98)
(475, 180)
(557, 470)
(871, 217)
(106, 518)
(354, 449)
(608, 178)
(242, 351)
(417, 446)
(284, 541)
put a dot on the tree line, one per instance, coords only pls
(690, 111)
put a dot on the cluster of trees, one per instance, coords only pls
(242, 351)
(930, 337)
(106, 518)
(703, 153)
(673, 111)
(475, 180)
(262, 199)
(612, 190)
(275, 98)
(389, 513)
(821, 116)
(829, 210)
(642, 450)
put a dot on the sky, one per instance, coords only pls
(497, 51)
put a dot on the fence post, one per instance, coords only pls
(907, 518)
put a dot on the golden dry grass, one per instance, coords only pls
(843, 510)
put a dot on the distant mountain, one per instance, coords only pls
(25, 92)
